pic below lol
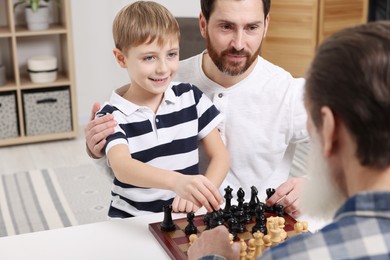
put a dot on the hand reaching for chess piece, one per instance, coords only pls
(181, 205)
(200, 190)
(287, 195)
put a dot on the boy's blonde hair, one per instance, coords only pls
(143, 22)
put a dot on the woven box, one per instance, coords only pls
(42, 69)
(47, 112)
(9, 116)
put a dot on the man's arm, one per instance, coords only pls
(96, 132)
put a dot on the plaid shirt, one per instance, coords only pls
(361, 230)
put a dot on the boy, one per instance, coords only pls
(154, 150)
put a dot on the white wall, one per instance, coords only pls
(97, 73)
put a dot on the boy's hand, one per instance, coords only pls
(182, 205)
(199, 190)
(96, 132)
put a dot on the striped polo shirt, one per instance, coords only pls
(167, 139)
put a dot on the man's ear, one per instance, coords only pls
(266, 23)
(328, 130)
(202, 25)
(120, 58)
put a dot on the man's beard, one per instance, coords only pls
(321, 196)
(230, 68)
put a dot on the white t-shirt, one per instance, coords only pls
(264, 119)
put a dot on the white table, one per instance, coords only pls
(113, 239)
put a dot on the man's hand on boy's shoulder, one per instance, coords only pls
(96, 132)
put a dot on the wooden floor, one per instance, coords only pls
(70, 152)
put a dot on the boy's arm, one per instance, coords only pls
(216, 170)
(219, 157)
(195, 188)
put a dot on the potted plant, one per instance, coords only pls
(37, 14)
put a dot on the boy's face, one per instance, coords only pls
(234, 34)
(151, 67)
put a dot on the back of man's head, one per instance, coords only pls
(351, 75)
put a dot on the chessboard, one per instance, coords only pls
(176, 243)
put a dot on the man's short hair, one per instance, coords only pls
(351, 75)
(143, 22)
(207, 7)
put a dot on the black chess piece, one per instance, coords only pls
(254, 200)
(190, 228)
(232, 226)
(206, 220)
(270, 192)
(260, 208)
(233, 209)
(228, 199)
(216, 219)
(260, 220)
(240, 227)
(247, 217)
(279, 210)
(240, 197)
(167, 224)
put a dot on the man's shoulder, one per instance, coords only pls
(276, 79)
(278, 73)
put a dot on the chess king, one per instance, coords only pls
(347, 98)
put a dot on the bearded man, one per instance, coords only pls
(347, 98)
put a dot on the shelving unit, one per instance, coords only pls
(17, 45)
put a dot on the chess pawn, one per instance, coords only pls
(298, 227)
(192, 238)
(252, 249)
(279, 210)
(267, 240)
(243, 249)
(259, 243)
(305, 226)
(190, 228)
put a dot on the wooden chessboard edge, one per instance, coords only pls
(169, 247)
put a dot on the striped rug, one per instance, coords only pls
(52, 198)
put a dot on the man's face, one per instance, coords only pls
(321, 195)
(234, 34)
